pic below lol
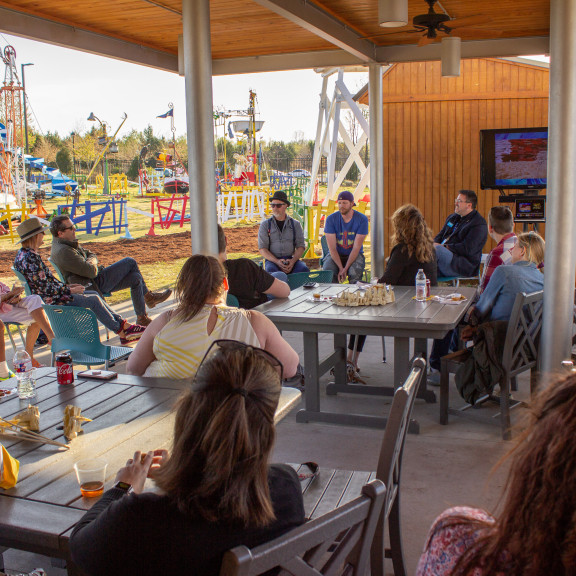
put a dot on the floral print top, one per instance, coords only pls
(41, 281)
(447, 542)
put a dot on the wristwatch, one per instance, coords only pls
(124, 486)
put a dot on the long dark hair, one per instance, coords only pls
(223, 435)
(535, 533)
(199, 280)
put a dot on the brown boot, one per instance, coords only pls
(153, 298)
(143, 320)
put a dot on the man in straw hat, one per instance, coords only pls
(41, 281)
(281, 240)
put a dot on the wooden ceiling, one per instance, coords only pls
(254, 35)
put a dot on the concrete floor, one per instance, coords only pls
(443, 465)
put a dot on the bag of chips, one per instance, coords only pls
(8, 469)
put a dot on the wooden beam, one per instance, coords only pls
(315, 20)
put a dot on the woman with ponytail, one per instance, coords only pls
(216, 490)
(176, 341)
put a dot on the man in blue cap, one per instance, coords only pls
(345, 232)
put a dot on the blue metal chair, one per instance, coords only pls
(300, 278)
(23, 281)
(76, 329)
(232, 301)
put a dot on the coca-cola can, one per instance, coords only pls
(427, 288)
(64, 368)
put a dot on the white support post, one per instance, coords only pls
(199, 109)
(561, 193)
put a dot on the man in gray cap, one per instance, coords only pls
(281, 239)
(345, 232)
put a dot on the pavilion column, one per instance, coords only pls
(561, 193)
(377, 224)
(201, 161)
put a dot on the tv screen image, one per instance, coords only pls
(521, 158)
(514, 158)
(533, 210)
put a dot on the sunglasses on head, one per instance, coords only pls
(233, 346)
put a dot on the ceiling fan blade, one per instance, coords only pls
(468, 21)
(425, 40)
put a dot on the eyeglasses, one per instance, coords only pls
(461, 201)
(277, 204)
(233, 346)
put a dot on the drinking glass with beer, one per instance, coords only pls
(91, 474)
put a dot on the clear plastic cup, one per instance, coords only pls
(91, 474)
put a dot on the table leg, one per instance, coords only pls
(424, 393)
(401, 360)
(311, 373)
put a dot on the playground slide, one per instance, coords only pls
(59, 180)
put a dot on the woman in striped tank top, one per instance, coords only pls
(176, 341)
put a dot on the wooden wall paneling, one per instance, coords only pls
(429, 159)
(434, 190)
(421, 153)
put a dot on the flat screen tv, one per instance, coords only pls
(513, 158)
(532, 210)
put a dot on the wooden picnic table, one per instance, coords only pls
(405, 319)
(128, 414)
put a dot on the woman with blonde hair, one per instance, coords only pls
(175, 342)
(535, 531)
(217, 487)
(524, 274)
(412, 249)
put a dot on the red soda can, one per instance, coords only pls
(427, 288)
(64, 368)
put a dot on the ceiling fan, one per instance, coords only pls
(433, 22)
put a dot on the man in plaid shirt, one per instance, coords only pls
(501, 230)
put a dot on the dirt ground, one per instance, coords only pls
(151, 249)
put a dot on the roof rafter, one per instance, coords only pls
(315, 20)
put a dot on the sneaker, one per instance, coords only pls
(143, 320)
(132, 332)
(434, 377)
(352, 375)
(153, 298)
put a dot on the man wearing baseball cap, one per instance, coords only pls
(345, 232)
(281, 239)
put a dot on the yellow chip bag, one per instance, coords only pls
(8, 469)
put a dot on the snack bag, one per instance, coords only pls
(8, 469)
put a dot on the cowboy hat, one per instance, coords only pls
(30, 228)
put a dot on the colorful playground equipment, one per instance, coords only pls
(61, 185)
(83, 214)
(168, 211)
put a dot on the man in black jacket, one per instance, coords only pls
(459, 244)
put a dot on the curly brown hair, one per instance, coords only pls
(411, 229)
(535, 533)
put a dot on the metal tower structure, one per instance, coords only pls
(12, 138)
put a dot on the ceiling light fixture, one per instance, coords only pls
(392, 13)
(450, 54)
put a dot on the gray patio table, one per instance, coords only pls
(129, 413)
(404, 319)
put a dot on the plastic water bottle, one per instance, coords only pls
(25, 373)
(421, 286)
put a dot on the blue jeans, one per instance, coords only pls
(354, 272)
(444, 258)
(106, 315)
(121, 275)
(270, 267)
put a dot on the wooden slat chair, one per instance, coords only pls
(335, 544)
(389, 471)
(76, 329)
(519, 355)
